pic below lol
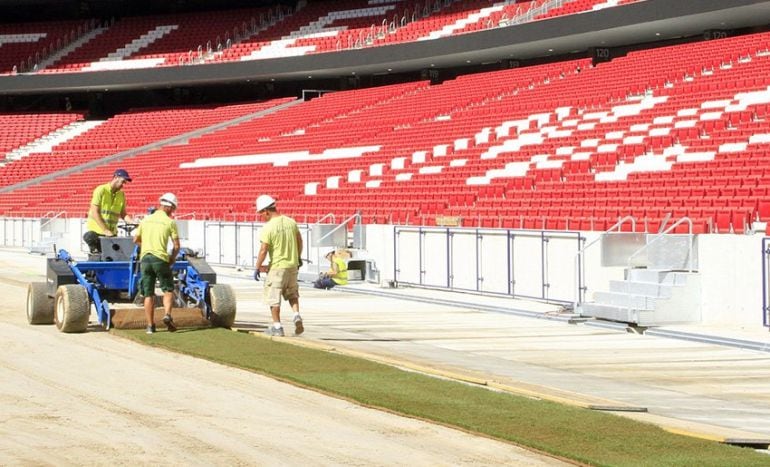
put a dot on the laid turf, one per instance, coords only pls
(582, 435)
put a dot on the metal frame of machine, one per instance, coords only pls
(72, 286)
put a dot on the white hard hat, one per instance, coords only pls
(264, 202)
(168, 199)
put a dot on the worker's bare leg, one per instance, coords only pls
(149, 310)
(275, 311)
(168, 301)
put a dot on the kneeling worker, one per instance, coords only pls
(336, 275)
(153, 235)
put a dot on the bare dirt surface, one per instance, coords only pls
(95, 399)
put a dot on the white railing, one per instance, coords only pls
(665, 232)
(580, 289)
(536, 11)
(190, 215)
(326, 216)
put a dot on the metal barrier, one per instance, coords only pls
(224, 243)
(517, 263)
(47, 234)
(19, 231)
(237, 244)
(765, 284)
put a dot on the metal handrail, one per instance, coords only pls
(343, 223)
(182, 216)
(326, 216)
(579, 255)
(660, 235)
(54, 215)
(536, 10)
(357, 216)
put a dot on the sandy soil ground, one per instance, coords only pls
(94, 399)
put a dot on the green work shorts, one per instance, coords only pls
(155, 268)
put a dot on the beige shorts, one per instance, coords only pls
(281, 283)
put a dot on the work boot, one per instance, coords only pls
(169, 322)
(299, 328)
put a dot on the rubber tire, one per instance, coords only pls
(72, 309)
(222, 305)
(39, 304)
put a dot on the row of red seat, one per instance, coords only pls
(24, 45)
(513, 148)
(122, 132)
(18, 129)
(316, 27)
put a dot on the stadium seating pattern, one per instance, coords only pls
(258, 33)
(658, 135)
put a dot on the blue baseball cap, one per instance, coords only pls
(122, 174)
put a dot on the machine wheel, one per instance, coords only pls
(39, 304)
(222, 305)
(72, 308)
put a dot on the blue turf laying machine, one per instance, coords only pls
(113, 277)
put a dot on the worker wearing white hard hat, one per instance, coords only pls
(168, 199)
(281, 240)
(153, 235)
(264, 202)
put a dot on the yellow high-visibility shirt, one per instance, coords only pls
(110, 206)
(280, 235)
(341, 278)
(155, 231)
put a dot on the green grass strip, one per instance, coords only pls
(571, 432)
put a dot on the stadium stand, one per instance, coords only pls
(679, 130)
(18, 129)
(162, 40)
(120, 133)
(23, 45)
(357, 23)
(259, 33)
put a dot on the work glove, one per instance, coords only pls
(257, 275)
(300, 263)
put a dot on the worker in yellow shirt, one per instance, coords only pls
(336, 275)
(108, 206)
(153, 235)
(281, 240)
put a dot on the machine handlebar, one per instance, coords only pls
(127, 228)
